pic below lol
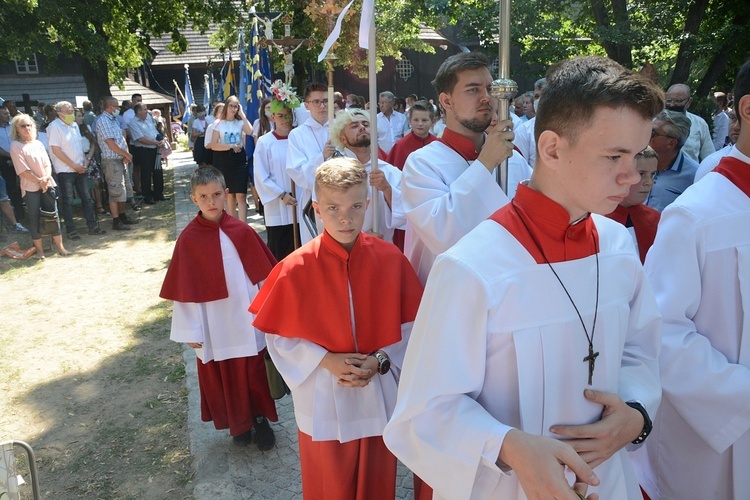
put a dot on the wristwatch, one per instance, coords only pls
(647, 425)
(384, 364)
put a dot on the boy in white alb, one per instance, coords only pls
(533, 359)
(699, 267)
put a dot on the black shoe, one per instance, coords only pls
(149, 201)
(265, 439)
(243, 439)
(118, 225)
(125, 219)
(73, 235)
(97, 231)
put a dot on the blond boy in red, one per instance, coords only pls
(338, 314)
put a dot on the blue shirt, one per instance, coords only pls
(670, 183)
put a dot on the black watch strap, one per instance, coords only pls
(647, 425)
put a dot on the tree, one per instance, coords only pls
(700, 43)
(112, 36)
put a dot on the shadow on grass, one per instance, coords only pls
(118, 431)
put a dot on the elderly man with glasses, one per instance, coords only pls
(675, 170)
(699, 143)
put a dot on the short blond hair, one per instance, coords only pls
(340, 174)
(344, 118)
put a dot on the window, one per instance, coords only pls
(28, 67)
(405, 69)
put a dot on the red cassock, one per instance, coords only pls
(233, 391)
(644, 221)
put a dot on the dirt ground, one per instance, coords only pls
(88, 375)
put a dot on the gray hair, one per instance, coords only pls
(60, 105)
(675, 125)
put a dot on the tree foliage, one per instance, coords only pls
(112, 36)
(700, 42)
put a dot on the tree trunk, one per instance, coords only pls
(620, 52)
(97, 81)
(721, 57)
(715, 68)
(622, 21)
(693, 20)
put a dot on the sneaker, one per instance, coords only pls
(118, 225)
(97, 231)
(265, 439)
(18, 228)
(149, 201)
(73, 235)
(244, 439)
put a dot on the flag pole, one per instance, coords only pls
(503, 89)
(373, 87)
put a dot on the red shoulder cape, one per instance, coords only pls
(645, 221)
(196, 272)
(736, 171)
(307, 295)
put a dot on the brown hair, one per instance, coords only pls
(577, 87)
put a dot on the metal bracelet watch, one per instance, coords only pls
(647, 425)
(384, 364)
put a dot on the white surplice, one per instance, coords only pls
(271, 179)
(699, 267)
(389, 218)
(231, 333)
(497, 345)
(444, 197)
(304, 156)
(325, 410)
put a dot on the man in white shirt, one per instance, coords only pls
(69, 162)
(391, 123)
(308, 148)
(524, 139)
(699, 144)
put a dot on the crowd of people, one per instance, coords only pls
(580, 336)
(61, 153)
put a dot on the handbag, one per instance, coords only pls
(276, 383)
(49, 222)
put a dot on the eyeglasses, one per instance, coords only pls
(679, 102)
(318, 103)
(654, 133)
(234, 106)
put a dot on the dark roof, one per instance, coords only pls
(51, 89)
(198, 52)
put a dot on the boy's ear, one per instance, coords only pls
(226, 191)
(316, 208)
(193, 198)
(548, 147)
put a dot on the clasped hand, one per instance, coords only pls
(352, 369)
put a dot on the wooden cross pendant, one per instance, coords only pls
(591, 358)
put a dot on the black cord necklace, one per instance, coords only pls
(591, 358)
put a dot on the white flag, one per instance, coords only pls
(335, 33)
(365, 23)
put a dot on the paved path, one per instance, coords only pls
(222, 470)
